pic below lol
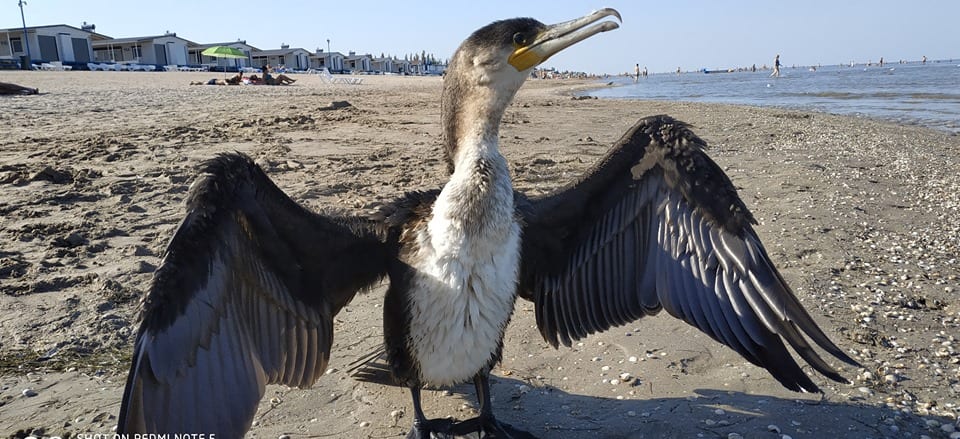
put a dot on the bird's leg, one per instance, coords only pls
(424, 428)
(486, 424)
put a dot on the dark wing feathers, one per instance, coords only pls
(657, 224)
(245, 297)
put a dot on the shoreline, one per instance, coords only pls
(887, 111)
(861, 216)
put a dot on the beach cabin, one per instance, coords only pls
(53, 43)
(401, 66)
(290, 58)
(232, 64)
(382, 65)
(391, 65)
(431, 67)
(332, 61)
(358, 63)
(426, 65)
(158, 50)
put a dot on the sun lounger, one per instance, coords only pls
(328, 78)
(55, 66)
(94, 66)
(9, 64)
(141, 67)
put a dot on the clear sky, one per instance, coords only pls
(662, 35)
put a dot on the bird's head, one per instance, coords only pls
(503, 53)
(489, 67)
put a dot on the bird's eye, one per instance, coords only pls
(519, 39)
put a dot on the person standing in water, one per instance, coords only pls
(776, 67)
(636, 72)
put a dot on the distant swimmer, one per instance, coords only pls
(678, 70)
(924, 61)
(776, 67)
(645, 73)
(881, 61)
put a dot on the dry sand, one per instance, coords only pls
(862, 217)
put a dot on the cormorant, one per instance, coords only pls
(251, 281)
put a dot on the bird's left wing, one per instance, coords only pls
(658, 225)
(245, 297)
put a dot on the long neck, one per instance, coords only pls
(479, 191)
(472, 107)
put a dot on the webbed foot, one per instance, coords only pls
(489, 428)
(431, 428)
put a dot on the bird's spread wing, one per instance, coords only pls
(658, 225)
(245, 297)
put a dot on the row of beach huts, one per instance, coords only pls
(65, 47)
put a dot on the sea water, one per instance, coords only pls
(919, 94)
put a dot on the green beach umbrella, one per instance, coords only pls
(223, 52)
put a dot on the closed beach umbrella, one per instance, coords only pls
(223, 52)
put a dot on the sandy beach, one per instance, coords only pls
(861, 216)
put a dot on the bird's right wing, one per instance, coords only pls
(245, 297)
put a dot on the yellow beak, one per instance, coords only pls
(557, 37)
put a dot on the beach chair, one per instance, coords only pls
(94, 66)
(55, 66)
(328, 78)
(171, 68)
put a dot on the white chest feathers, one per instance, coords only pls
(465, 286)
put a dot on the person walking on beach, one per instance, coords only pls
(776, 67)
